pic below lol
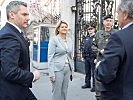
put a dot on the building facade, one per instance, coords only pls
(78, 13)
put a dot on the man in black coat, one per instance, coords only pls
(115, 71)
(15, 75)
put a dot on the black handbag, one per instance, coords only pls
(71, 77)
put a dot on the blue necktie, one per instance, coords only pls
(22, 33)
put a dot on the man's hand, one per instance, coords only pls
(98, 64)
(102, 51)
(37, 75)
(95, 61)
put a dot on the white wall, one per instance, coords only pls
(3, 13)
(67, 15)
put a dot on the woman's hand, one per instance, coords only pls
(52, 79)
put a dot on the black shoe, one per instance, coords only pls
(85, 86)
(92, 89)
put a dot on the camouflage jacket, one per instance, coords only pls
(100, 40)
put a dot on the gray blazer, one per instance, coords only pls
(57, 54)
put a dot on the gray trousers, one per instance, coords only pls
(60, 86)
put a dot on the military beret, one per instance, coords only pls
(108, 16)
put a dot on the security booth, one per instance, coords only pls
(41, 36)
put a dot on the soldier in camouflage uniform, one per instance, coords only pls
(101, 39)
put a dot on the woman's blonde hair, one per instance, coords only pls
(58, 26)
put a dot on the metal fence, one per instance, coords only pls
(89, 11)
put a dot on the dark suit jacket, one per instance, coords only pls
(116, 68)
(15, 78)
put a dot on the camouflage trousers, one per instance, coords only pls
(97, 89)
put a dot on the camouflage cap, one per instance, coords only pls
(108, 16)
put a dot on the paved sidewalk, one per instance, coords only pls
(42, 88)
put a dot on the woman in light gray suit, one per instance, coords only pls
(60, 61)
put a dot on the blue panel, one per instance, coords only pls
(35, 50)
(44, 51)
